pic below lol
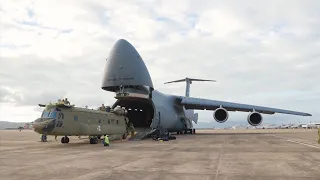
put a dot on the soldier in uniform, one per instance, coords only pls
(108, 108)
(103, 108)
(66, 101)
(60, 101)
(132, 129)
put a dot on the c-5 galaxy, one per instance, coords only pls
(126, 74)
(65, 120)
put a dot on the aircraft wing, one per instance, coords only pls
(201, 104)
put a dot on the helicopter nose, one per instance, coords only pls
(38, 124)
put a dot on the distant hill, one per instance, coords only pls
(6, 124)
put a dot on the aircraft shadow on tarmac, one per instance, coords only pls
(74, 144)
(235, 133)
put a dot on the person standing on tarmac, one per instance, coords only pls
(131, 127)
(43, 138)
(106, 140)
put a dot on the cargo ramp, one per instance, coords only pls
(142, 133)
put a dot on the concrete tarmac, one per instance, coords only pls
(210, 155)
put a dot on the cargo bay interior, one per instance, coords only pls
(140, 111)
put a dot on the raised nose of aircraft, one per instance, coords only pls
(124, 66)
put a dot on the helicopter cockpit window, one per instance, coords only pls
(45, 114)
(53, 114)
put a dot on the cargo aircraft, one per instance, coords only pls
(126, 74)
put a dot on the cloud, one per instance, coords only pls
(263, 53)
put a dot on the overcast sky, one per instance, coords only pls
(260, 52)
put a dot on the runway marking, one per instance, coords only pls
(219, 160)
(297, 142)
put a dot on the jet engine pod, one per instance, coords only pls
(254, 119)
(221, 115)
(124, 67)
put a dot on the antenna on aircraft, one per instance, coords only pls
(188, 82)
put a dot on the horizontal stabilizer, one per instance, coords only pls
(188, 82)
(189, 79)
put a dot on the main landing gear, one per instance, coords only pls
(187, 131)
(94, 140)
(65, 140)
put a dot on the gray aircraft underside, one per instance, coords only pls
(126, 74)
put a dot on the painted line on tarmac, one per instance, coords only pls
(297, 142)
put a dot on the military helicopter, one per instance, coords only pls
(68, 120)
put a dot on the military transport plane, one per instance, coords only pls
(126, 74)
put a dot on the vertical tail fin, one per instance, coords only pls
(188, 82)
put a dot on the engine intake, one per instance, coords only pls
(254, 119)
(221, 115)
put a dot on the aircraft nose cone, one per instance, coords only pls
(124, 66)
(38, 125)
(123, 45)
(41, 125)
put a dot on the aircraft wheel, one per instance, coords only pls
(194, 131)
(190, 130)
(93, 140)
(66, 139)
(62, 140)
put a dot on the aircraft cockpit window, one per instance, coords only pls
(53, 114)
(45, 114)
